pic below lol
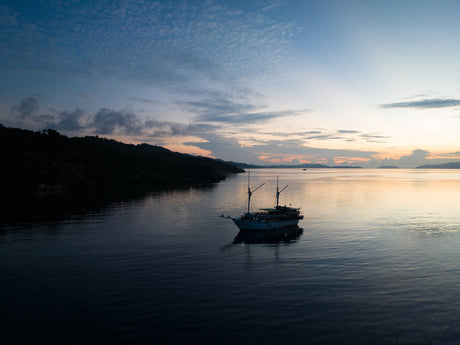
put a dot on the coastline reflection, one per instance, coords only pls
(287, 235)
(28, 209)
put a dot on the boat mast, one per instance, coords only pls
(278, 192)
(250, 192)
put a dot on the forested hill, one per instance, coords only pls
(51, 160)
(451, 165)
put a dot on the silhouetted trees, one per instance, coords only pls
(51, 160)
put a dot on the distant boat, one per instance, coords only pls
(268, 218)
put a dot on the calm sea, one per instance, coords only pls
(376, 260)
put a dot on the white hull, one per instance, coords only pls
(263, 224)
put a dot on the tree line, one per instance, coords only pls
(48, 159)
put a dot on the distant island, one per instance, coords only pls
(388, 167)
(297, 166)
(49, 160)
(452, 165)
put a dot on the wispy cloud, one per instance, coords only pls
(347, 136)
(270, 5)
(323, 137)
(278, 151)
(375, 138)
(155, 42)
(346, 131)
(291, 134)
(247, 118)
(143, 100)
(217, 108)
(424, 103)
(221, 108)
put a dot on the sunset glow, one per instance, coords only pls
(329, 82)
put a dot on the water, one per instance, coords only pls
(376, 262)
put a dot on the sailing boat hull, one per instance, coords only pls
(264, 224)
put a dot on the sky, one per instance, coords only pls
(365, 83)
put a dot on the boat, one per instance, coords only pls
(277, 217)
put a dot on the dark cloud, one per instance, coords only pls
(425, 103)
(166, 128)
(113, 122)
(105, 121)
(143, 100)
(323, 137)
(374, 138)
(27, 113)
(346, 131)
(108, 121)
(71, 120)
(26, 108)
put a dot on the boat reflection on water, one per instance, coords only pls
(288, 234)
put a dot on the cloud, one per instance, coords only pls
(323, 137)
(227, 148)
(105, 122)
(26, 108)
(346, 131)
(70, 120)
(167, 129)
(155, 42)
(27, 113)
(221, 108)
(269, 5)
(416, 158)
(124, 122)
(143, 100)
(428, 103)
(108, 121)
(290, 134)
(348, 136)
(456, 154)
(374, 138)
(277, 151)
(247, 118)
(217, 108)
